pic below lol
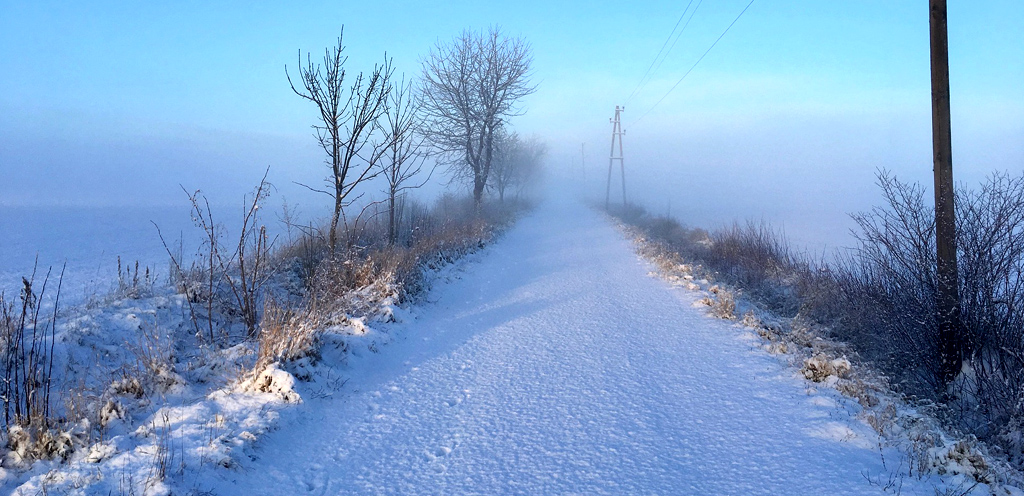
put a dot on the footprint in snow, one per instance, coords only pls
(435, 455)
(458, 399)
(316, 480)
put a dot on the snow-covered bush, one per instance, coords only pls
(961, 458)
(27, 444)
(153, 370)
(889, 287)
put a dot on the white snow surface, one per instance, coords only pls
(554, 363)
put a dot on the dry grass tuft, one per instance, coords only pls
(819, 368)
(286, 335)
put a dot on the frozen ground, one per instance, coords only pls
(556, 364)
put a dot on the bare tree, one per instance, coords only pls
(506, 158)
(471, 87)
(515, 162)
(348, 119)
(528, 171)
(405, 155)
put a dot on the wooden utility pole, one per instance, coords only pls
(617, 133)
(951, 345)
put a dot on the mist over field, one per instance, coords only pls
(787, 125)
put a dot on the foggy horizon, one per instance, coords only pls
(117, 105)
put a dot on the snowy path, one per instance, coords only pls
(558, 365)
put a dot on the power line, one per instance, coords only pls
(680, 35)
(662, 49)
(694, 64)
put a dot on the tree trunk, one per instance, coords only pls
(333, 235)
(478, 190)
(391, 219)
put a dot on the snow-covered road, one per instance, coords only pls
(555, 364)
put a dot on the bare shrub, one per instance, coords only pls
(230, 277)
(754, 257)
(432, 237)
(751, 254)
(882, 420)
(888, 284)
(370, 275)
(28, 338)
(990, 242)
(33, 426)
(302, 254)
(892, 278)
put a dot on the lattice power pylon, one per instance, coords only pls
(617, 133)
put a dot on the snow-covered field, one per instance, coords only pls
(90, 240)
(551, 362)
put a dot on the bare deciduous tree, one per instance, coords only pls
(515, 162)
(471, 86)
(405, 155)
(504, 161)
(527, 173)
(347, 121)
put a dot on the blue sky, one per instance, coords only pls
(145, 95)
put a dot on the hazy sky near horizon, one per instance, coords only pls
(116, 103)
